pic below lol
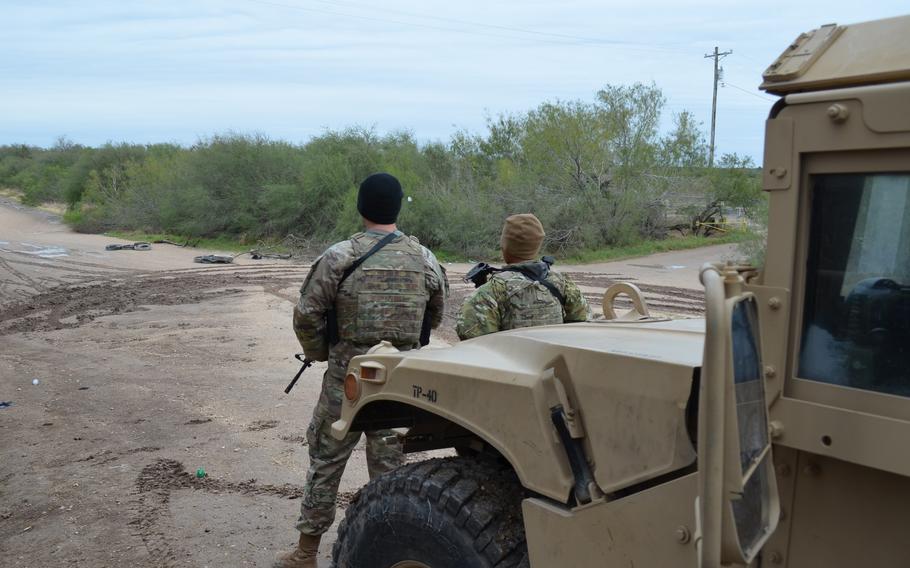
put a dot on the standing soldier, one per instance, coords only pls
(523, 293)
(379, 285)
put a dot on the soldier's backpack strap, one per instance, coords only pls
(540, 279)
(331, 316)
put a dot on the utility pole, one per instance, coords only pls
(717, 55)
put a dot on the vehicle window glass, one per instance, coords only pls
(749, 384)
(856, 320)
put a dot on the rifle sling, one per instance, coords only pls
(331, 315)
(376, 248)
(527, 273)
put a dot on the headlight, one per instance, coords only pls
(351, 387)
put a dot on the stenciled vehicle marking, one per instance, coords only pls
(429, 395)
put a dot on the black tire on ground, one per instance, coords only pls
(461, 512)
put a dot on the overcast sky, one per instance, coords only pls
(178, 71)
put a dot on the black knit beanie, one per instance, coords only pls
(379, 198)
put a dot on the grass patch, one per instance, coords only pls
(55, 207)
(645, 248)
(11, 193)
(449, 256)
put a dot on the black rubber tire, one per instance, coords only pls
(461, 512)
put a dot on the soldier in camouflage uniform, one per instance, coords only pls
(384, 298)
(511, 298)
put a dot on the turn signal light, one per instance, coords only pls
(351, 387)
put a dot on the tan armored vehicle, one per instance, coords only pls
(775, 432)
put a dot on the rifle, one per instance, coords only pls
(306, 365)
(480, 273)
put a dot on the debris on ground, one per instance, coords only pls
(256, 255)
(214, 259)
(5, 403)
(134, 246)
(167, 242)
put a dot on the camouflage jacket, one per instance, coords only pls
(511, 300)
(320, 291)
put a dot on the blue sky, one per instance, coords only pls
(169, 71)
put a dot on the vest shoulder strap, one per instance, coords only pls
(540, 279)
(382, 242)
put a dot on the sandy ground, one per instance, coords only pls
(149, 367)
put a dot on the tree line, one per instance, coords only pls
(598, 173)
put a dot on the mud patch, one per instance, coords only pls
(75, 305)
(260, 425)
(153, 488)
(107, 456)
(344, 499)
(167, 474)
(196, 421)
(44, 251)
(294, 439)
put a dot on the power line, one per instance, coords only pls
(577, 38)
(556, 38)
(372, 19)
(748, 92)
(717, 56)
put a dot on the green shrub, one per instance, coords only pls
(598, 173)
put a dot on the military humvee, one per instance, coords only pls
(775, 432)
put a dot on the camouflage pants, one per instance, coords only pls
(329, 456)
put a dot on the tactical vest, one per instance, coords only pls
(386, 296)
(529, 303)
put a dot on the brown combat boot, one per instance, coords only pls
(304, 556)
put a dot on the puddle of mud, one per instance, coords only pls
(260, 425)
(166, 474)
(57, 307)
(45, 251)
(196, 421)
(660, 266)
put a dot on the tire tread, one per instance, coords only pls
(480, 496)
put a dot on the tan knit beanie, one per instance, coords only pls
(522, 236)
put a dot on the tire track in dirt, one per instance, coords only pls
(23, 275)
(66, 264)
(18, 275)
(668, 299)
(46, 310)
(76, 304)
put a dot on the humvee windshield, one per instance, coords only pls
(856, 319)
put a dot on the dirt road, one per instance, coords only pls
(149, 367)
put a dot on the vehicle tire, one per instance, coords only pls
(461, 512)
